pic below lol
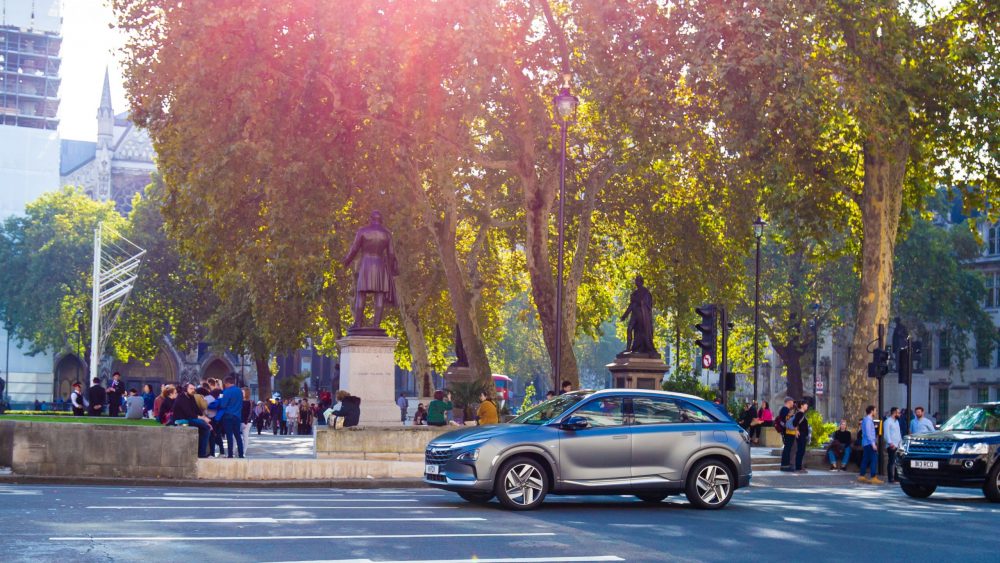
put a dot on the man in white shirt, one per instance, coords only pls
(893, 438)
(920, 424)
(292, 413)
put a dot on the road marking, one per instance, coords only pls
(279, 520)
(476, 560)
(273, 506)
(236, 499)
(174, 538)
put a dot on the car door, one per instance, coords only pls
(599, 454)
(665, 433)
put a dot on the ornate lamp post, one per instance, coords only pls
(758, 231)
(565, 105)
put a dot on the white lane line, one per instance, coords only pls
(271, 538)
(273, 507)
(476, 560)
(236, 498)
(279, 520)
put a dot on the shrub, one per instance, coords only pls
(820, 430)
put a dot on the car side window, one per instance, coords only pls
(691, 413)
(655, 410)
(606, 411)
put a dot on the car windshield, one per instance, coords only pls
(973, 418)
(553, 408)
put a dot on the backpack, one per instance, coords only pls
(791, 429)
(779, 425)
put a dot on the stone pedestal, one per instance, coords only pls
(367, 370)
(458, 374)
(636, 372)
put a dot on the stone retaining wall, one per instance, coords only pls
(67, 449)
(306, 469)
(402, 443)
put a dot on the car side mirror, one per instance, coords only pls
(575, 423)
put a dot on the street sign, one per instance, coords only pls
(706, 361)
(819, 388)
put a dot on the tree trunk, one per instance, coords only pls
(881, 202)
(791, 356)
(263, 378)
(408, 311)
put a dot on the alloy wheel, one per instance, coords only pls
(713, 484)
(523, 484)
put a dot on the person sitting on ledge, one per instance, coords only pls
(487, 412)
(840, 447)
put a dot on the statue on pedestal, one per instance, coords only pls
(376, 268)
(640, 323)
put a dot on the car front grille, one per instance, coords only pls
(437, 455)
(935, 447)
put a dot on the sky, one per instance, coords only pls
(87, 48)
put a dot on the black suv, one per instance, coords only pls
(964, 453)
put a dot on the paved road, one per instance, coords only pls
(815, 523)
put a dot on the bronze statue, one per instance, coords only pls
(639, 339)
(376, 268)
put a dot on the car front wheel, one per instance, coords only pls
(709, 484)
(992, 486)
(521, 484)
(917, 491)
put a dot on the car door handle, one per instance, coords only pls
(619, 437)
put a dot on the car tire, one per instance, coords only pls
(477, 498)
(652, 498)
(917, 491)
(991, 488)
(521, 484)
(710, 484)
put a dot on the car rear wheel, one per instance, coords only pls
(917, 491)
(521, 484)
(652, 498)
(991, 488)
(477, 498)
(709, 484)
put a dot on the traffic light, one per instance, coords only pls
(730, 381)
(709, 314)
(916, 355)
(905, 366)
(879, 365)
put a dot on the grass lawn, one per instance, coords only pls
(78, 419)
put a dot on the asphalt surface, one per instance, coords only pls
(785, 523)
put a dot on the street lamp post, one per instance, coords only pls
(758, 231)
(565, 105)
(815, 324)
(79, 341)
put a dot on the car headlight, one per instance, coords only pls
(904, 446)
(466, 444)
(469, 456)
(973, 449)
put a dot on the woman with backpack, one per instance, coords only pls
(801, 425)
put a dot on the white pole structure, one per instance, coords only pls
(95, 309)
(114, 277)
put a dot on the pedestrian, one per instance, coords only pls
(229, 413)
(186, 412)
(801, 425)
(350, 410)
(206, 391)
(97, 397)
(305, 418)
(115, 391)
(420, 417)
(76, 400)
(275, 409)
(787, 440)
(566, 387)
(766, 418)
(549, 394)
(134, 405)
(840, 448)
(934, 419)
(148, 398)
(748, 415)
(438, 408)
(292, 414)
(869, 443)
(284, 416)
(164, 405)
(487, 412)
(246, 414)
(259, 416)
(404, 406)
(920, 424)
(893, 438)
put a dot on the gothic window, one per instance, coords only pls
(992, 290)
(993, 240)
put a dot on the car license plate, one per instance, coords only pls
(431, 470)
(919, 464)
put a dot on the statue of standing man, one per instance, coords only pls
(376, 268)
(640, 322)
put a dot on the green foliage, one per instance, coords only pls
(291, 385)
(820, 431)
(529, 398)
(690, 384)
(465, 394)
(64, 419)
(47, 257)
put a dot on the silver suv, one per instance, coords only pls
(650, 444)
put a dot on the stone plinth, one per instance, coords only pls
(636, 372)
(367, 370)
(402, 443)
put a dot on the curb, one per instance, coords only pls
(131, 482)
